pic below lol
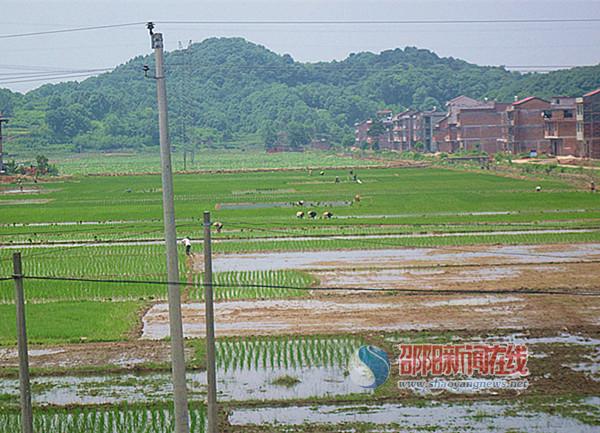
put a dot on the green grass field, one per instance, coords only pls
(255, 200)
(123, 163)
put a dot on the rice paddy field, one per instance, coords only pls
(123, 163)
(94, 239)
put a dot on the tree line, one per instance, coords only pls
(228, 90)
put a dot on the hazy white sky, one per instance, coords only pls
(489, 44)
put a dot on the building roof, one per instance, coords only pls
(462, 99)
(530, 98)
(592, 93)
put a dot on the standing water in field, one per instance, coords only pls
(246, 370)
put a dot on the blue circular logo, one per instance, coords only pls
(369, 367)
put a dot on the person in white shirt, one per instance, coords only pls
(188, 245)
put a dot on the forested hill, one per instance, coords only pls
(227, 89)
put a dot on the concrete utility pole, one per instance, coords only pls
(211, 369)
(182, 424)
(25, 387)
(2, 120)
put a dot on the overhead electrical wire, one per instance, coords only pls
(309, 22)
(71, 30)
(305, 288)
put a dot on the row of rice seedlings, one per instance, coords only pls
(102, 420)
(252, 354)
(228, 285)
(108, 262)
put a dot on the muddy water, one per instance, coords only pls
(238, 385)
(426, 278)
(397, 257)
(245, 371)
(480, 417)
(347, 314)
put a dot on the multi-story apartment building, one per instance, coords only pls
(403, 129)
(384, 140)
(560, 126)
(588, 124)
(445, 135)
(413, 127)
(526, 125)
(424, 128)
(482, 128)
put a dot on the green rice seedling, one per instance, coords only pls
(121, 419)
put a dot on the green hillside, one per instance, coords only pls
(228, 91)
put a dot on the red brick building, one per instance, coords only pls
(526, 126)
(560, 127)
(385, 140)
(588, 124)
(403, 130)
(445, 133)
(482, 128)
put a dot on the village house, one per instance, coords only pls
(560, 125)
(526, 126)
(482, 128)
(384, 140)
(588, 124)
(445, 133)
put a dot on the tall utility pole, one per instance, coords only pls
(182, 424)
(24, 386)
(2, 120)
(211, 369)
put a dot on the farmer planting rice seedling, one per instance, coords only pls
(225, 238)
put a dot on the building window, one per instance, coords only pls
(580, 109)
(568, 114)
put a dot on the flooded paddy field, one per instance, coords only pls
(484, 416)
(378, 258)
(359, 313)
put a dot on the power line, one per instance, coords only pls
(311, 23)
(70, 30)
(31, 74)
(304, 288)
(391, 22)
(52, 77)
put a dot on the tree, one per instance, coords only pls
(43, 167)
(375, 131)
(68, 122)
(269, 134)
(297, 135)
